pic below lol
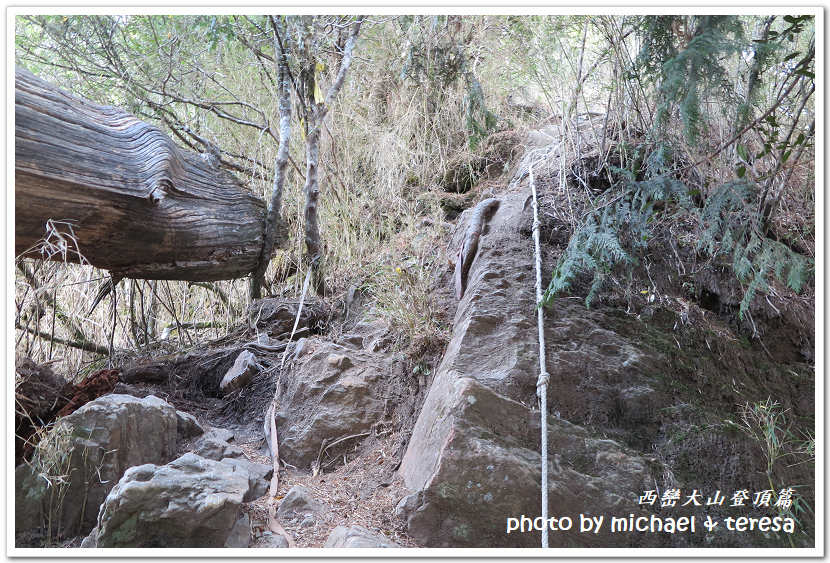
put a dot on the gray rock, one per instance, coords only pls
(298, 502)
(299, 349)
(213, 445)
(333, 394)
(222, 434)
(240, 374)
(91, 541)
(190, 502)
(259, 476)
(99, 442)
(187, 426)
(308, 522)
(354, 341)
(273, 541)
(473, 458)
(153, 372)
(406, 505)
(357, 537)
(122, 388)
(240, 536)
(30, 499)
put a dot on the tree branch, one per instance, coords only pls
(345, 63)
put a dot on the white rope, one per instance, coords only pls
(542, 382)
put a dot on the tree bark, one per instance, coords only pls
(316, 116)
(272, 220)
(134, 203)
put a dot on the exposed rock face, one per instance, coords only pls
(473, 460)
(357, 537)
(334, 394)
(103, 439)
(190, 502)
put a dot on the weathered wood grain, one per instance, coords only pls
(139, 205)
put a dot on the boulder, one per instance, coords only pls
(243, 369)
(190, 502)
(90, 450)
(299, 502)
(240, 536)
(335, 393)
(473, 459)
(357, 537)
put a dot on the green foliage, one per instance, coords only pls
(731, 225)
(480, 121)
(687, 56)
(437, 61)
(731, 229)
(614, 231)
(701, 67)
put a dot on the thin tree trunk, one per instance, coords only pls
(273, 223)
(312, 198)
(319, 110)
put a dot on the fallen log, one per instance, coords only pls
(134, 202)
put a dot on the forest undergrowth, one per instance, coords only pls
(706, 146)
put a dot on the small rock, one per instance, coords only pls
(300, 348)
(299, 501)
(342, 363)
(214, 445)
(379, 343)
(308, 522)
(259, 478)
(240, 536)
(240, 374)
(351, 341)
(126, 389)
(187, 426)
(272, 540)
(91, 541)
(406, 505)
(357, 537)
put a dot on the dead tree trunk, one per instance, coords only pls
(134, 202)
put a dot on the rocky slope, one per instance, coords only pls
(646, 395)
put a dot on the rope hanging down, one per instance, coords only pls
(542, 382)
